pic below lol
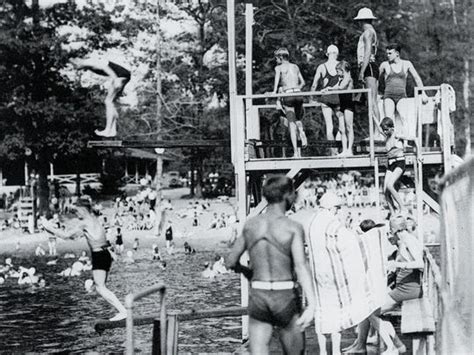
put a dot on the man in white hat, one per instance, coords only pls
(325, 78)
(366, 51)
(289, 79)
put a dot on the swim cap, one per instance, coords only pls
(281, 51)
(332, 49)
(330, 200)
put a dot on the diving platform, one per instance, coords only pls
(352, 162)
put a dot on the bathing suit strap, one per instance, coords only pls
(271, 241)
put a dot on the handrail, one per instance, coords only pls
(303, 93)
(129, 301)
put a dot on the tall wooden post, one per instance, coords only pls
(159, 159)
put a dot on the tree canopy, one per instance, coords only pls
(52, 110)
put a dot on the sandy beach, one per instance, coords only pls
(15, 242)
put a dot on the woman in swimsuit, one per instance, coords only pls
(395, 165)
(325, 78)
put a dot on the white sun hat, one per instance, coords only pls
(365, 14)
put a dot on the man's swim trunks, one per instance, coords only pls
(372, 71)
(101, 260)
(346, 102)
(295, 102)
(394, 163)
(276, 307)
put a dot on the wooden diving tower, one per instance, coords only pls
(245, 132)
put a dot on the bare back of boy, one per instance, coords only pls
(289, 76)
(271, 261)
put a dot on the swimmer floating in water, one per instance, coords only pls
(118, 77)
(89, 226)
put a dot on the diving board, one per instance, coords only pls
(116, 143)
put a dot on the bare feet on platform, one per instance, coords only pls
(391, 351)
(355, 348)
(118, 316)
(105, 133)
(342, 154)
(400, 346)
(304, 140)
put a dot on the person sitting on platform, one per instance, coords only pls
(288, 77)
(118, 77)
(395, 72)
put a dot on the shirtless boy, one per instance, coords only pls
(276, 252)
(394, 145)
(288, 77)
(395, 72)
(90, 227)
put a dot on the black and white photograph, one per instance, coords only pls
(236, 177)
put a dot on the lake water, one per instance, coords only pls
(60, 317)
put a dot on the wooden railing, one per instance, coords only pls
(72, 178)
(166, 324)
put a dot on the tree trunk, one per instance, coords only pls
(467, 112)
(192, 183)
(43, 186)
(199, 175)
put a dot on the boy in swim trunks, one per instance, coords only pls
(118, 77)
(288, 77)
(90, 227)
(395, 72)
(395, 164)
(276, 249)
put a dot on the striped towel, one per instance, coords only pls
(344, 296)
(371, 246)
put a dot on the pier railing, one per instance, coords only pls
(166, 324)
